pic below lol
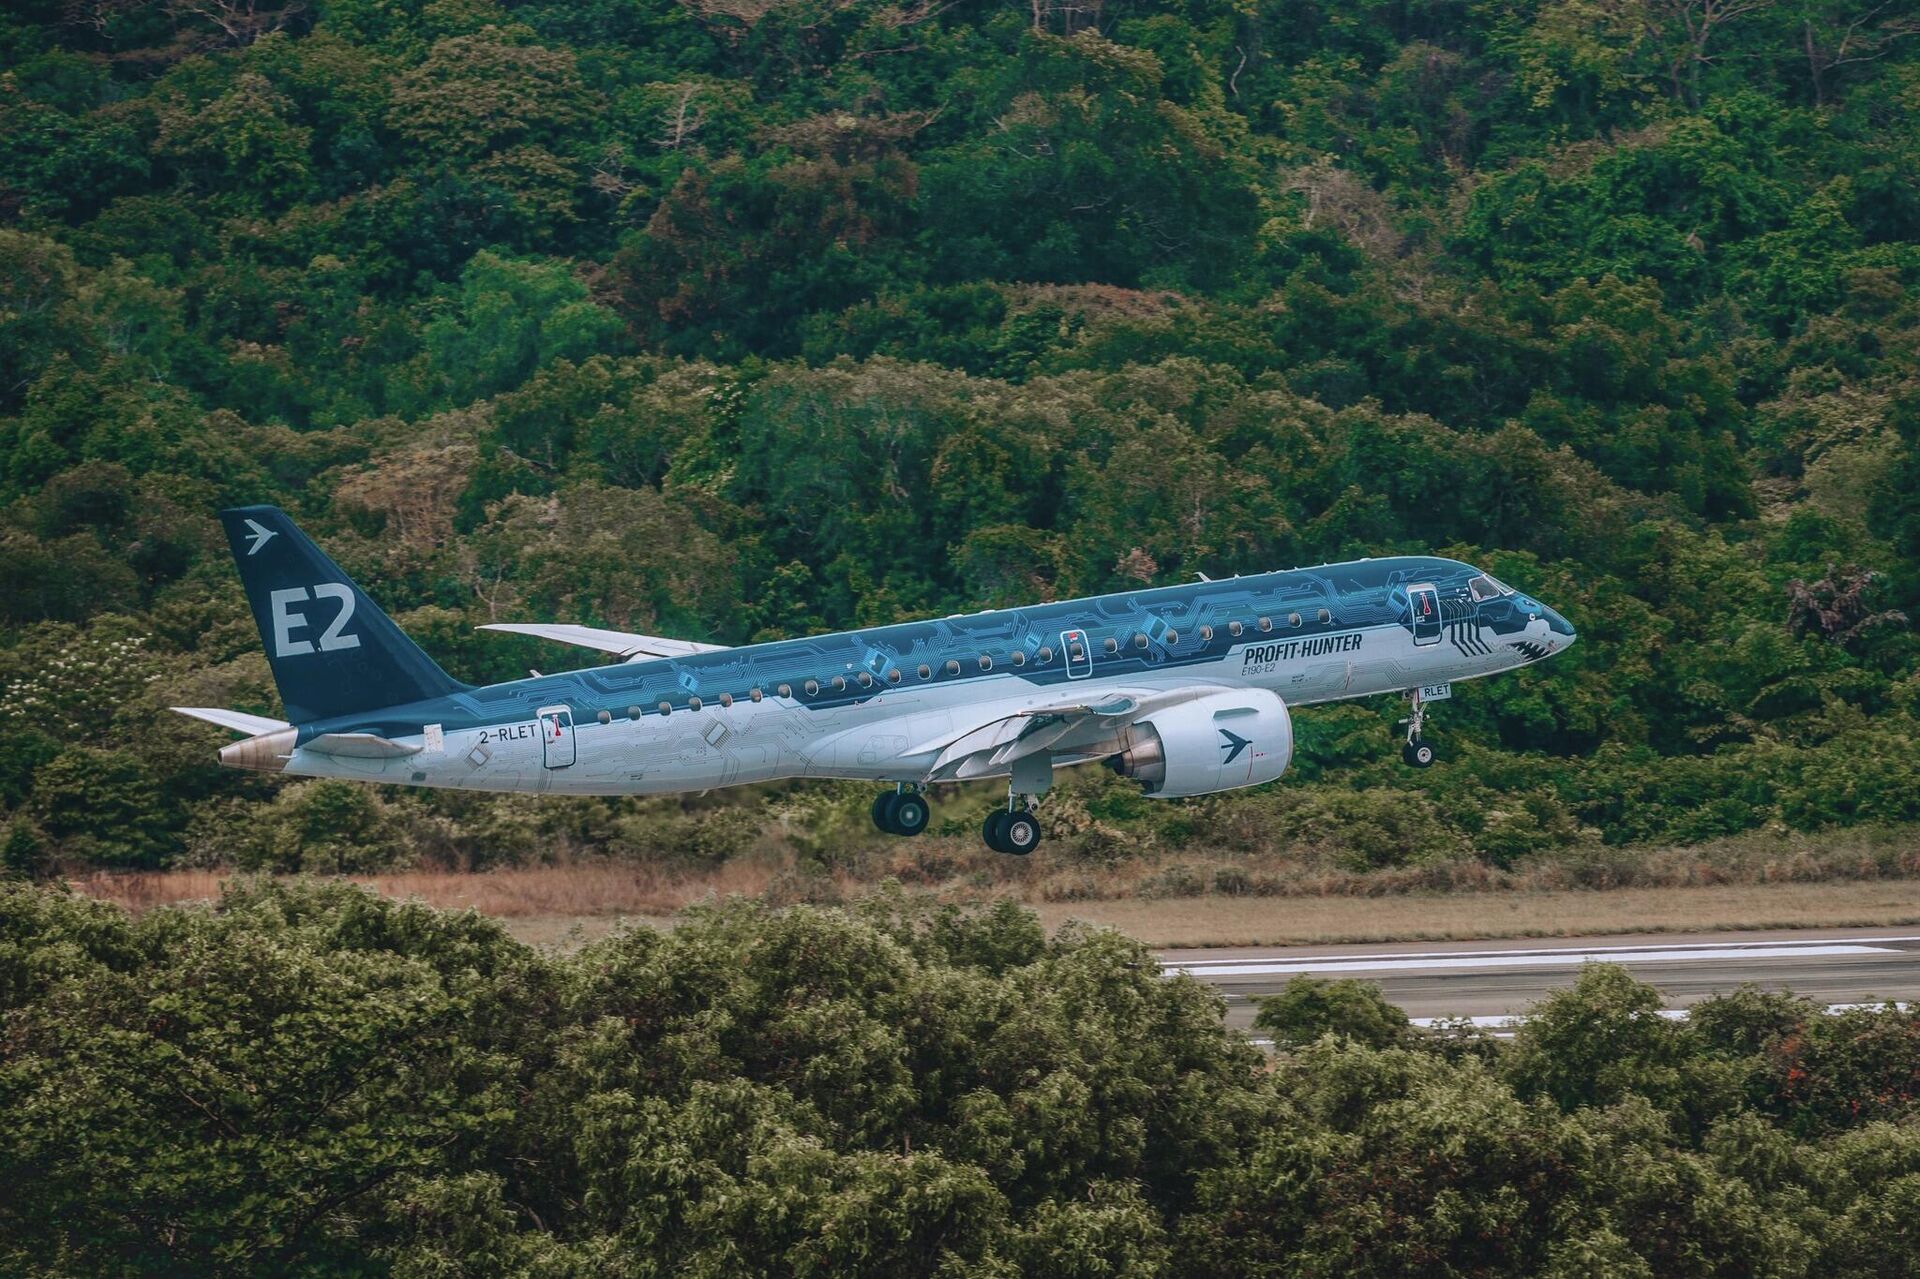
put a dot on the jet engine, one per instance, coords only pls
(1218, 742)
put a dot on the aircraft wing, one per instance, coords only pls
(628, 646)
(1063, 729)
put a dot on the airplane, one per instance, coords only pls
(1185, 689)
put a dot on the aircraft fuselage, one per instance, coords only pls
(878, 703)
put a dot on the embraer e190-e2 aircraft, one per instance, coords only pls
(1185, 689)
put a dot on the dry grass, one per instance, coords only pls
(1757, 882)
(576, 890)
(1257, 921)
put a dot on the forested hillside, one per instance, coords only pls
(729, 319)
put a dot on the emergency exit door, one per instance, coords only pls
(556, 736)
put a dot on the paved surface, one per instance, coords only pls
(1491, 979)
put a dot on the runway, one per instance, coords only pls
(1494, 980)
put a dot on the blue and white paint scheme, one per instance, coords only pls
(1185, 688)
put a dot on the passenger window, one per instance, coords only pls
(1173, 637)
(812, 687)
(1325, 617)
(726, 700)
(1019, 657)
(839, 684)
(953, 667)
(1234, 628)
(866, 680)
(1045, 654)
(1266, 623)
(1206, 634)
(605, 717)
(925, 671)
(633, 712)
(666, 708)
(785, 690)
(1113, 645)
(1293, 620)
(694, 703)
(893, 675)
(986, 663)
(1140, 639)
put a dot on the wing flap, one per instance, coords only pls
(1064, 728)
(624, 643)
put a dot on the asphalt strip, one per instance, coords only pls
(1529, 959)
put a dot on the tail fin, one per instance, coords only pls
(332, 650)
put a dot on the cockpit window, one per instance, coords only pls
(1484, 588)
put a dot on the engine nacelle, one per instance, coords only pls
(1222, 741)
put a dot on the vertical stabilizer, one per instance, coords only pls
(332, 650)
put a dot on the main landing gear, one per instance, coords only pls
(1012, 830)
(1418, 751)
(901, 811)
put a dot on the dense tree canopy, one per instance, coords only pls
(316, 1081)
(739, 318)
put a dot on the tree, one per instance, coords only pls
(103, 806)
(1309, 1007)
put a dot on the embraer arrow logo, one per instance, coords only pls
(258, 537)
(1232, 746)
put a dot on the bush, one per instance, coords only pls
(103, 806)
(1309, 1007)
(329, 827)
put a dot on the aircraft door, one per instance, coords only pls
(1424, 602)
(1079, 654)
(556, 736)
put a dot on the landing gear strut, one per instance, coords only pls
(1014, 829)
(901, 811)
(1418, 751)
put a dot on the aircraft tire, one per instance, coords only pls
(1419, 753)
(990, 832)
(884, 805)
(910, 813)
(1020, 834)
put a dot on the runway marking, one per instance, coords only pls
(1504, 1024)
(1510, 959)
(1771, 944)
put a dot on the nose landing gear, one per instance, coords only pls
(1417, 752)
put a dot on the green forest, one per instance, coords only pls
(736, 319)
(312, 1080)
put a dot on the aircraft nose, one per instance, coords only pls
(1559, 625)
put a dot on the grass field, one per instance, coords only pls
(561, 904)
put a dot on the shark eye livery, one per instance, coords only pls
(1191, 690)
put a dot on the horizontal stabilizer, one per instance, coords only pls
(627, 645)
(235, 721)
(359, 746)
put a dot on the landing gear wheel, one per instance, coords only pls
(883, 809)
(1019, 833)
(910, 813)
(1416, 752)
(995, 823)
